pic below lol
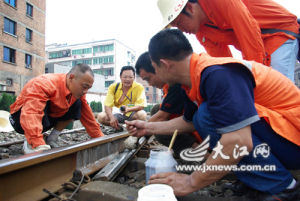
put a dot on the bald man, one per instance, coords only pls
(53, 101)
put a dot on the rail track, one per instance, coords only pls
(24, 178)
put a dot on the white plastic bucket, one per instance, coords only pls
(156, 192)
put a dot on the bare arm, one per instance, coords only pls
(160, 116)
(140, 128)
(112, 120)
(185, 184)
(134, 108)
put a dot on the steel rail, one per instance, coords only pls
(23, 178)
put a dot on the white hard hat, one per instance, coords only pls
(5, 125)
(170, 9)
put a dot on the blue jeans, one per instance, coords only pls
(285, 57)
(284, 158)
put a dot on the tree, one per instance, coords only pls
(96, 106)
(6, 100)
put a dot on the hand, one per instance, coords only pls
(136, 128)
(123, 109)
(114, 122)
(180, 183)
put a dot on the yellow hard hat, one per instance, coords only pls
(5, 125)
(170, 9)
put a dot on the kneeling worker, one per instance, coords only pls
(128, 95)
(172, 106)
(246, 110)
(53, 101)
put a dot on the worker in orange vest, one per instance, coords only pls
(172, 105)
(262, 30)
(246, 111)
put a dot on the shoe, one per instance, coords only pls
(286, 195)
(27, 148)
(52, 141)
(53, 144)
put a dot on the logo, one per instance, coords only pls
(262, 149)
(196, 154)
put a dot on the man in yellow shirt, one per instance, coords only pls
(128, 95)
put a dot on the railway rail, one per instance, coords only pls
(24, 178)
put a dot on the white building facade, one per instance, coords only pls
(105, 57)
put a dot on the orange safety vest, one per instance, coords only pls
(195, 133)
(276, 98)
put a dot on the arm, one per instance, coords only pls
(185, 184)
(31, 118)
(160, 116)
(108, 105)
(213, 48)
(245, 27)
(35, 95)
(112, 120)
(88, 120)
(132, 109)
(140, 128)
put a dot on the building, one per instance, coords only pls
(106, 57)
(22, 43)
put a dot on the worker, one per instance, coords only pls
(53, 101)
(171, 107)
(262, 30)
(128, 95)
(251, 114)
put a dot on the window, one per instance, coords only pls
(107, 83)
(11, 2)
(105, 60)
(9, 82)
(60, 54)
(9, 55)
(82, 51)
(103, 48)
(82, 61)
(28, 60)
(29, 9)
(109, 71)
(28, 35)
(9, 26)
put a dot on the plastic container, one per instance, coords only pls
(156, 192)
(158, 162)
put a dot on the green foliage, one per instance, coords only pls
(6, 100)
(96, 106)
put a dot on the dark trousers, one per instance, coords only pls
(48, 122)
(283, 153)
